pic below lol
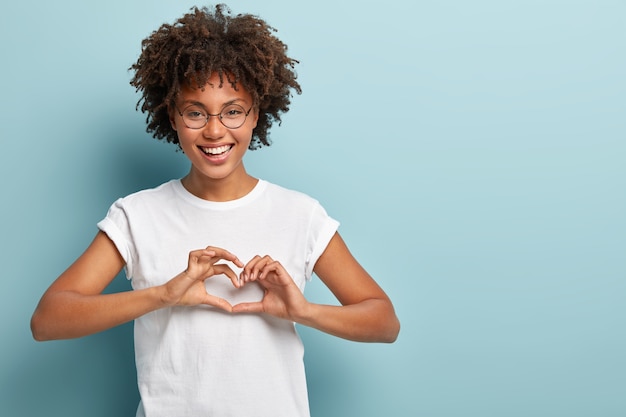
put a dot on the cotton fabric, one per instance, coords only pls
(202, 361)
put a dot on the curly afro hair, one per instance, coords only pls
(242, 49)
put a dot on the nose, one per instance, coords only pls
(214, 129)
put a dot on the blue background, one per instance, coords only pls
(473, 151)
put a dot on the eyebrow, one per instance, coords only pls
(198, 103)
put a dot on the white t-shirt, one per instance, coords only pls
(201, 361)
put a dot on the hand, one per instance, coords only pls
(188, 289)
(282, 298)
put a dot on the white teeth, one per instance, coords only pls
(216, 151)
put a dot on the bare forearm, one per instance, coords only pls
(67, 314)
(372, 320)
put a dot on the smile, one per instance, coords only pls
(219, 150)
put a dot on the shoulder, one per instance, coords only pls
(149, 197)
(163, 191)
(295, 205)
(277, 192)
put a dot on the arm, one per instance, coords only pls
(74, 305)
(366, 314)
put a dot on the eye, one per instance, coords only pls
(233, 111)
(194, 113)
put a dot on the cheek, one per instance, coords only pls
(185, 141)
(245, 137)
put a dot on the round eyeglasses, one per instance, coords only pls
(232, 116)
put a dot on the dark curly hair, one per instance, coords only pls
(242, 49)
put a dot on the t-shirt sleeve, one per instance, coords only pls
(117, 228)
(322, 228)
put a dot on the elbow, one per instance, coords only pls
(35, 328)
(393, 330)
(386, 329)
(388, 325)
(392, 327)
(38, 328)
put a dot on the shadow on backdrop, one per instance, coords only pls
(94, 375)
(91, 376)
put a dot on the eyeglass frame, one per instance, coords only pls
(218, 115)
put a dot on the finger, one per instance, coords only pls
(225, 255)
(255, 266)
(196, 258)
(199, 254)
(226, 270)
(247, 269)
(218, 302)
(273, 266)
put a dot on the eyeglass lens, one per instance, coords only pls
(231, 116)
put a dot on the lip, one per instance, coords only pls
(217, 158)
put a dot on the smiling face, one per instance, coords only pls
(215, 151)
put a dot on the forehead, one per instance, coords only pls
(215, 89)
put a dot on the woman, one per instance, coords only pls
(218, 260)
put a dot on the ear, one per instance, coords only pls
(172, 115)
(256, 118)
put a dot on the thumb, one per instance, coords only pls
(256, 307)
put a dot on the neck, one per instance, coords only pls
(219, 189)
